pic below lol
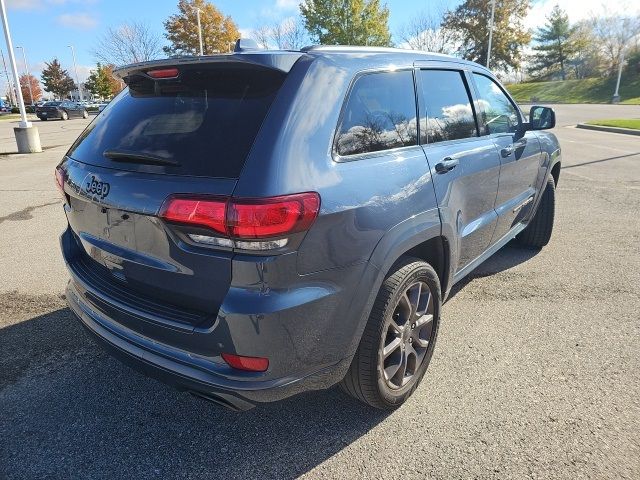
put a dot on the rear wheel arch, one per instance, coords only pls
(555, 173)
(436, 252)
(426, 244)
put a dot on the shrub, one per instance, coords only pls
(28, 109)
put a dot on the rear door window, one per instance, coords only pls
(202, 123)
(380, 114)
(448, 112)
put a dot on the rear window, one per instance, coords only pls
(201, 123)
(380, 114)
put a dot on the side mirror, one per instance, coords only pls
(541, 118)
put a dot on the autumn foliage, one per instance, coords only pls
(35, 89)
(218, 32)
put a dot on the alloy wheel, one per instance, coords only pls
(407, 336)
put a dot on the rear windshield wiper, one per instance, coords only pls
(137, 157)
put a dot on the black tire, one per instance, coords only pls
(365, 379)
(85, 114)
(538, 233)
(44, 119)
(64, 116)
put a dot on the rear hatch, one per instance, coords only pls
(48, 108)
(176, 129)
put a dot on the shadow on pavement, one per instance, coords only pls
(507, 257)
(71, 411)
(600, 160)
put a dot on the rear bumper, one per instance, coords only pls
(158, 363)
(42, 115)
(304, 331)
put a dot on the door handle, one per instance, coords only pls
(447, 163)
(506, 151)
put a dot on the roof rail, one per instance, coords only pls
(347, 48)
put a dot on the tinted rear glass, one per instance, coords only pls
(380, 114)
(202, 123)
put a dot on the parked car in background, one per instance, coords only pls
(102, 106)
(61, 110)
(255, 225)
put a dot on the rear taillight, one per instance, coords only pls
(249, 224)
(208, 213)
(250, 364)
(272, 217)
(60, 176)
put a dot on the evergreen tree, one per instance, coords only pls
(57, 80)
(556, 44)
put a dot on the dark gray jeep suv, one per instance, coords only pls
(253, 225)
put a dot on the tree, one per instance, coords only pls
(588, 60)
(290, 34)
(218, 32)
(613, 35)
(35, 89)
(347, 22)
(470, 24)
(102, 83)
(129, 43)
(556, 44)
(262, 36)
(425, 32)
(116, 85)
(633, 61)
(57, 80)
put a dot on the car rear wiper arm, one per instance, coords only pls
(136, 157)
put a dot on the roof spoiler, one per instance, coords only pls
(244, 54)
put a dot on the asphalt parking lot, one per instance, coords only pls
(536, 373)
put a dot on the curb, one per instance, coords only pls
(600, 128)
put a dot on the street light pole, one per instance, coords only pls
(26, 134)
(616, 95)
(75, 68)
(493, 9)
(199, 30)
(14, 69)
(26, 69)
(12, 97)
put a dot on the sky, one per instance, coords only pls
(45, 28)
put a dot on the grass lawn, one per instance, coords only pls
(623, 123)
(588, 90)
(7, 117)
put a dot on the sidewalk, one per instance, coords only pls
(53, 133)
